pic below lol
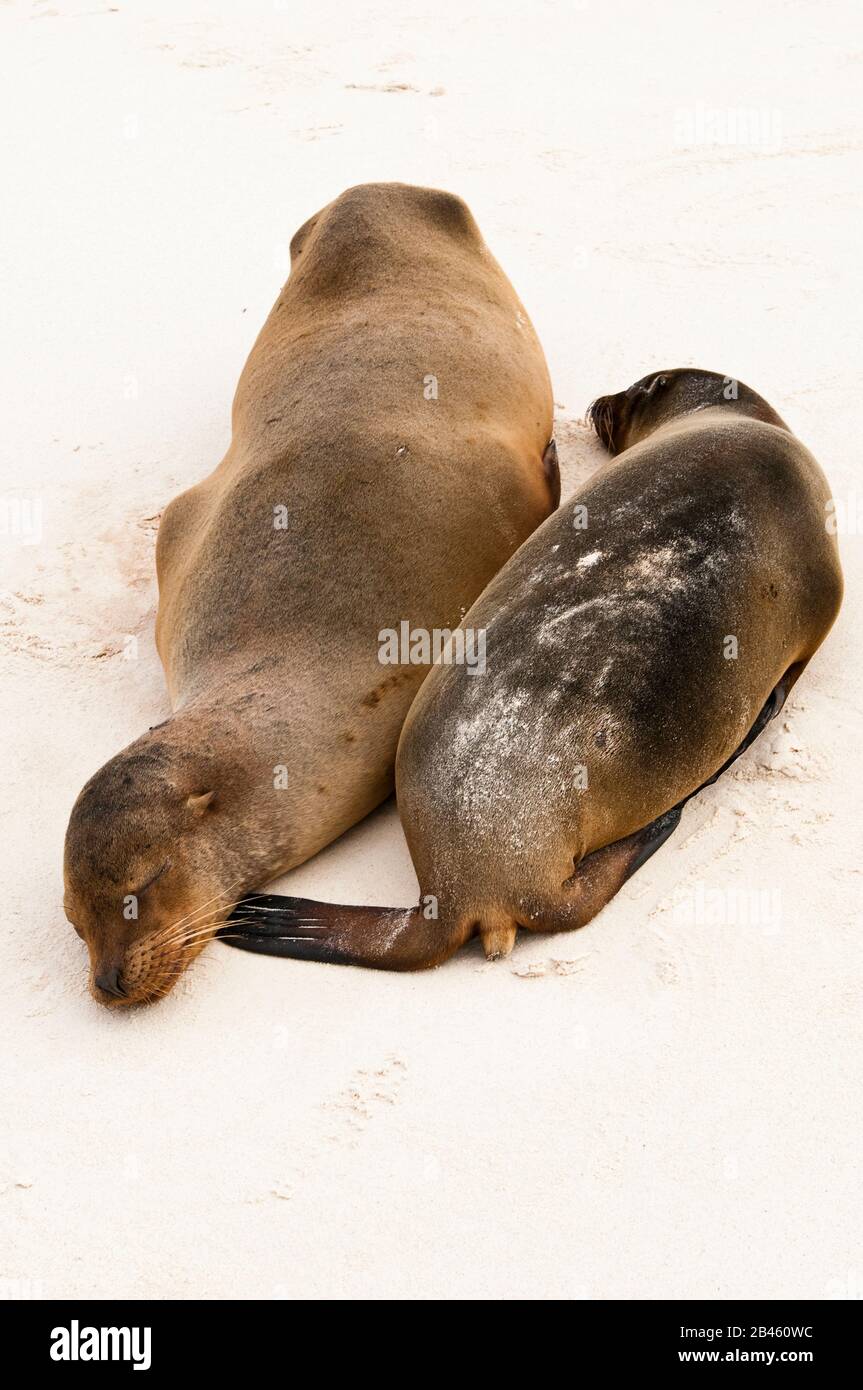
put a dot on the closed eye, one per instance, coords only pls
(152, 879)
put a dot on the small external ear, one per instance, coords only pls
(198, 802)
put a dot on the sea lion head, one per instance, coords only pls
(143, 884)
(632, 415)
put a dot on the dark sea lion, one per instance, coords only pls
(636, 643)
(388, 453)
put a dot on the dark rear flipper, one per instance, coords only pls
(382, 938)
(385, 938)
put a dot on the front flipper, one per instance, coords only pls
(652, 836)
(619, 861)
(295, 927)
(382, 938)
(648, 840)
(772, 706)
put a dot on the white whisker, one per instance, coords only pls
(195, 911)
(166, 931)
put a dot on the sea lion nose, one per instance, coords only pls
(108, 981)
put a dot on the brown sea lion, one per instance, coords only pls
(388, 453)
(635, 645)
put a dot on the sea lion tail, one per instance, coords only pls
(381, 938)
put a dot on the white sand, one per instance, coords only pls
(675, 1107)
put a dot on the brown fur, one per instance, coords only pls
(529, 794)
(399, 507)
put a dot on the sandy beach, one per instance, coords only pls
(665, 1104)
